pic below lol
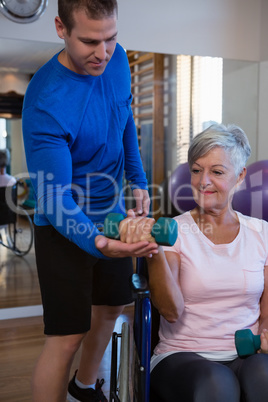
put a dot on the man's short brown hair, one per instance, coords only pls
(95, 9)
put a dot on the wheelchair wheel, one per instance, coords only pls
(20, 235)
(123, 374)
(119, 380)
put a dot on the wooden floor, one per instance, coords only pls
(18, 280)
(21, 339)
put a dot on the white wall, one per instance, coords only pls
(42, 30)
(224, 28)
(241, 99)
(14, 82)
(18, 160)
(264, 31)
(262, 139)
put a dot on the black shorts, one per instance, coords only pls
(71, 280)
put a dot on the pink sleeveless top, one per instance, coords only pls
(221, 284)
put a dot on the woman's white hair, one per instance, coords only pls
(231, 138)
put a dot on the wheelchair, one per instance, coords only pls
(16, 227)
(145, 329)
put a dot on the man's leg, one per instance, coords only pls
(51, 374)
(111, 292)
(103, 320)
(65, 276)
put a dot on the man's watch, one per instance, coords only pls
(23, 11)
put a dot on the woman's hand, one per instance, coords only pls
(135, 229)
(264, 341)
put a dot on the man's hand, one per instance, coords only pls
(116, 249)
(142, 200)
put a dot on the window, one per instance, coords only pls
(199, 98)
(3, 133)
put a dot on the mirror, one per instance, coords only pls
(18, 278)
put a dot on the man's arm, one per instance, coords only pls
(134, 170)
(50, 168)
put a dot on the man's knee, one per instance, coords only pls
(107, 312)
(66, 345)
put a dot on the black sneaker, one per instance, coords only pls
(76, 394)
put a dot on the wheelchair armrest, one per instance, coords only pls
(140, 286)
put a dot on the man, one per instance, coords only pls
(5, 178)
(79, 138)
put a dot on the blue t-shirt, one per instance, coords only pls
(80, 137)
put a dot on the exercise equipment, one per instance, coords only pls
(246, 343)
(252, 196)
(180, 190)
(164, 231)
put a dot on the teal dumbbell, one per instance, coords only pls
(246, 343)
(165, 230)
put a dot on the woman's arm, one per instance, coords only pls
(263, 325)
(166, 295)
(163, 268)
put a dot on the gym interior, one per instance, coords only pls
(213, 51)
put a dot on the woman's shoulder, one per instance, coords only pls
(252, 223)
(184, 217)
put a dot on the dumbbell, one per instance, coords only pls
(165, 230)
(246, 343)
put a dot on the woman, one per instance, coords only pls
(212, 282)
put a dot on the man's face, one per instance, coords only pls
(90, 45)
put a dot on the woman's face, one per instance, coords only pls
(213, 180)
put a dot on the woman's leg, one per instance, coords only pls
(188, 377)
(252, 373)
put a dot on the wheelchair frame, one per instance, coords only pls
(142, 326)
(16, 227)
